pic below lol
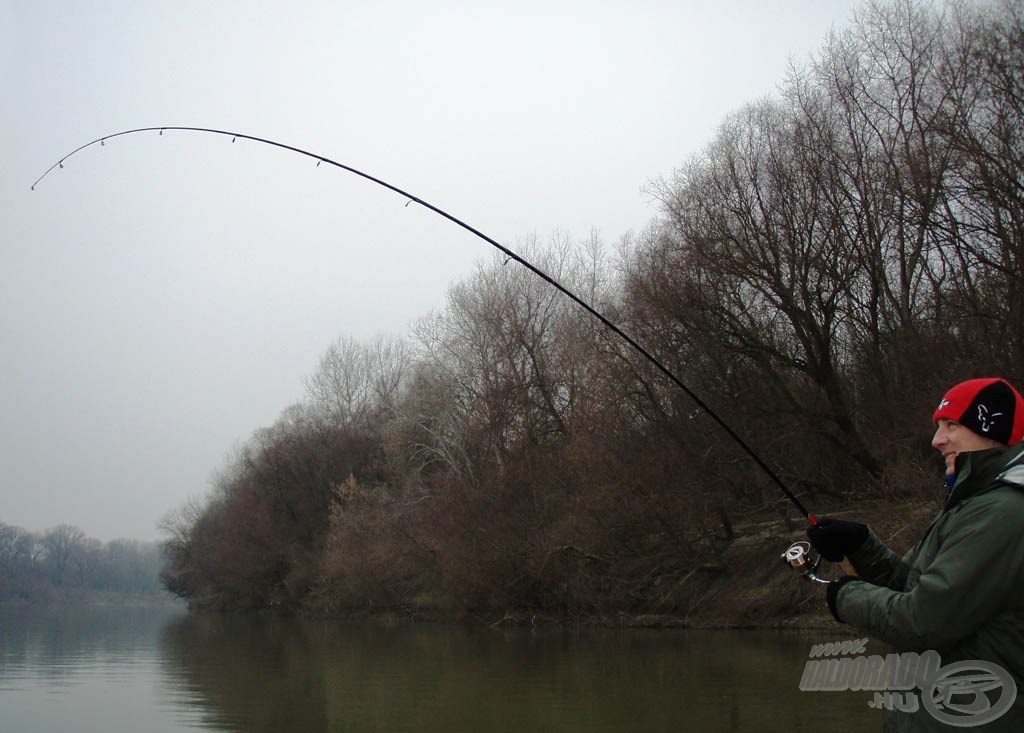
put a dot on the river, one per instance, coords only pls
(162, 670)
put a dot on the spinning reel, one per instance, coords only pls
(798, 557)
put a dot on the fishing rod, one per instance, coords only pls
(703, 406)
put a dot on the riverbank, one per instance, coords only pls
(94, 598)
(756, 589)
(750, 587)
(745, 585)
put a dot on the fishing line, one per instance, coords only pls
(701, 405)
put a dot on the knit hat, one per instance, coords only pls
(989, 407)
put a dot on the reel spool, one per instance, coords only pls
(798, 557)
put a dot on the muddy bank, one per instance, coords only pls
(750, 587)
(754, 588)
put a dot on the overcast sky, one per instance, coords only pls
(162, 297)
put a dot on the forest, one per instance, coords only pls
(62, 563)
(836, 256)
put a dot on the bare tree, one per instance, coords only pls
(982, 83)
(341, 384)
(751, 241)
(61, 545)
(353, 382)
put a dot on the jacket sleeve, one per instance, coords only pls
(876, 563)
(969, 580)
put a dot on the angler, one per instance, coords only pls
(960, 590)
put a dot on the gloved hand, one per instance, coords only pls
(836, 538)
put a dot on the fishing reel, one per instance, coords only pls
(798, 557)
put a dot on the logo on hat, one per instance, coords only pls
(986, 421)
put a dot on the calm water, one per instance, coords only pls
(126, 669)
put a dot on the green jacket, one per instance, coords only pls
(960, 590)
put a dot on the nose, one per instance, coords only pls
(940, 438)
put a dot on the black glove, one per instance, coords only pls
(836, 538)
(833, 592)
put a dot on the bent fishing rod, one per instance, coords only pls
(501, 248)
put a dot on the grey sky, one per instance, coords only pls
(163, 297)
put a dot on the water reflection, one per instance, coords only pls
(55, 640)
(264, 674)
(85, 669)
(163, 671)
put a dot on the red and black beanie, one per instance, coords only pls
(989, 407)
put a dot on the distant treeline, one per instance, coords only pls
(832, 260)
(63, 563)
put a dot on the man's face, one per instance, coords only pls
(952, 438)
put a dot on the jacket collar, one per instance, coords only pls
(978, 471)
